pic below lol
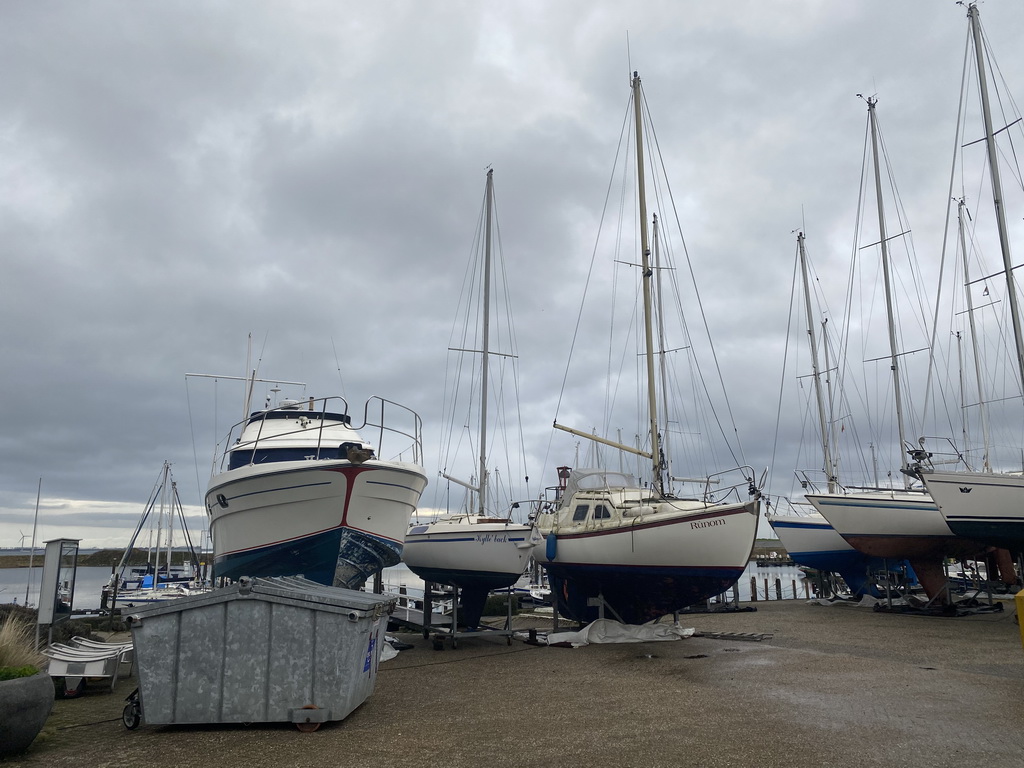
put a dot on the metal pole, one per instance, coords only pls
(883, 242)
(822, 422)
(645, 257)
(488, 204)
(997, 187)
(32, 552)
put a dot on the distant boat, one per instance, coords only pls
(478, 550)
(156, 579)
(809, 539)
(634, 552)
(987, 506)
(300, 492)
(895, 523)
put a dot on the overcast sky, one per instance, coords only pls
(177, 176)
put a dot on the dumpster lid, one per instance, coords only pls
(290, 589)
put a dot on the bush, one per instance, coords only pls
(18, 654)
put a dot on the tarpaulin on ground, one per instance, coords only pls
(608, 631)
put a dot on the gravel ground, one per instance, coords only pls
(826, 686)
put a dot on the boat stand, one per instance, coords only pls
(601, 604)
(452, 631)
(899, 598)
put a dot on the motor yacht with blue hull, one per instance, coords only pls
(302, 493)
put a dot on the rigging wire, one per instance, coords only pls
(700, 305)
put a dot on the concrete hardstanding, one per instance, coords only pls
(832, 687)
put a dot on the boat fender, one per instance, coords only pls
(551, 547)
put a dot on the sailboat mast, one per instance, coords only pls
(822, 422)
(974, 336)
(883, 242)
(662, 364)
(32, 552)
(833, 468)
(488, 207)
(997, 187)
(160, 528)
(645, 253)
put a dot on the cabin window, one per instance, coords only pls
(580, 513)
(243, 457)
(601, 512)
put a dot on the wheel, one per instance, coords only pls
(131, 716)
(72, 687)
(308, 727)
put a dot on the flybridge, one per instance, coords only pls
(292, 413)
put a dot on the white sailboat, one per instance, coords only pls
(809, 539)
(157, 579)
(477, 550)
(895, 523)
(986, 505)
(637, 552)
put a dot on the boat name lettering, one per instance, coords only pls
(707, 523)
(487, 538)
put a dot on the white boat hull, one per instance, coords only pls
(811, 541)
(810, 534)
(476, 557)
(985, 506)
(898, 525)
(646, 566)
(890, 524)
(463, 554)
(331, 521)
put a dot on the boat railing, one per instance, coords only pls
(724, 485)
(400, 423)
(235, 433)
(807, 483)
(945, 455)
(784, 505)
(383, 417)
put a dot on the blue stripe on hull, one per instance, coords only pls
(637, 595)
(466, 579)
(340, 557)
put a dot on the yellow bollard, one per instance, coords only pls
(1019, 598)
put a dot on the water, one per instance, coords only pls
(788, 575)
(89, 582)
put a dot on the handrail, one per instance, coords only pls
(381, 428)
